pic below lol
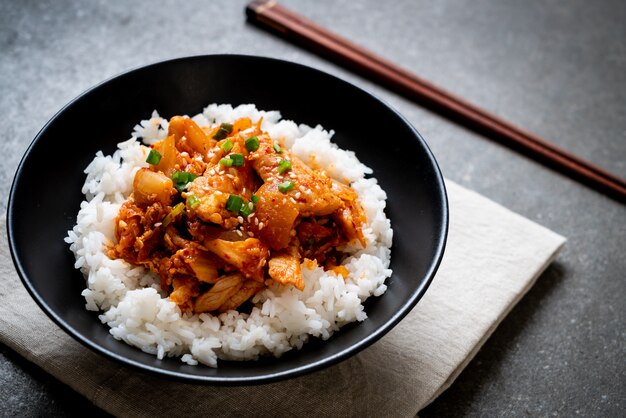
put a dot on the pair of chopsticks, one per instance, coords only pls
(270, 15)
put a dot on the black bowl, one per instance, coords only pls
(46, 194)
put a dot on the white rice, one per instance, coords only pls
(139, 313)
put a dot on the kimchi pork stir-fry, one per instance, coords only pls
(224, 211)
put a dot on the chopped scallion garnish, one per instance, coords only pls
(255, 199)
(277, 148)
(252, 143)
(238, 160)
(227, 145)
(246, 209)
(181, 179)
(285, 187)
(226, 161)
(223, 131)
(284, 165)
(192, 200)
(234, 203)
(220, 134)
(153, 157)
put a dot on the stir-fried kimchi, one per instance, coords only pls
(223, 211)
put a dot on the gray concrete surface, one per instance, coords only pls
(555, 67)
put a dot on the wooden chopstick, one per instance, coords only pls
(270, 15)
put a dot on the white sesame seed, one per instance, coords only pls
(251, 233)
(261, 225)
(297, 195)
(239, 232)
(230, 176)
(212, 172)
(240, 219)
(292, 199)
(256, 220)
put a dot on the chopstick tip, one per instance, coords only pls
(259, 6)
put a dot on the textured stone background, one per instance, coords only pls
(555, 67)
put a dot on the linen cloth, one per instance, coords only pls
(493, 256)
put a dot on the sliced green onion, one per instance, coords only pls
(246, 209)
(153, 157)
(238, 160)
(277, 148)
(285, 187)
(223, 131)
(284, 165)
(220, 134)
(255, 199)
(192, 200)
(226, 161)
(181, 179)
(234, 203)
(176, 210)
(227, 145)
(178, 176)
(252, 143)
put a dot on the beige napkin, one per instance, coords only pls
(492, 258)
